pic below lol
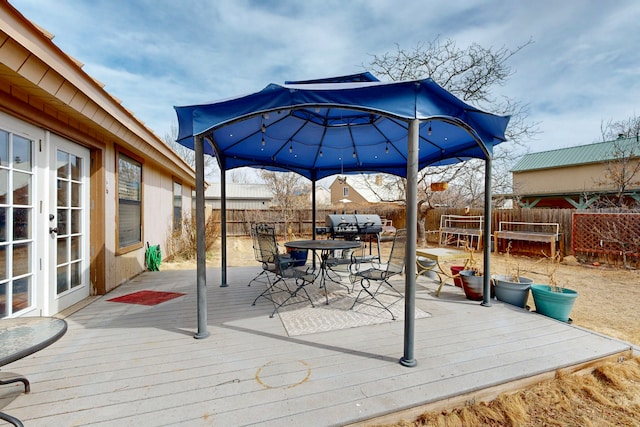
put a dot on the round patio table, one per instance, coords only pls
(22, 336)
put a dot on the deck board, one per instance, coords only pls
(122, 364)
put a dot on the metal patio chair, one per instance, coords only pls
(283, 268)
(267, 266)
(383, 295)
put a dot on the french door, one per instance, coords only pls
(68, 228)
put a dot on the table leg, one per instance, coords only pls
(436, 268)
(440, 272)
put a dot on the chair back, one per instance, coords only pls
(266, 248)
(397, 256)
(257, 253)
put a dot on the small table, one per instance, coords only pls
(21, 337)
(438, 255)
(326, 248)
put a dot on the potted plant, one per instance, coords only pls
(511, 287)
(553, 300)
(472, 278)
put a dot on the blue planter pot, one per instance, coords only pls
(514, 293)
(556, 305)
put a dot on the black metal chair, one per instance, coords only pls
(384, 295)
(282, 267)
(267, 267)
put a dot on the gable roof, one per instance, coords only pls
(579, 155)
(368, 187)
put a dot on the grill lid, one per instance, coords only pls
(354, 223)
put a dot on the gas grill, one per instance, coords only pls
(351, 226)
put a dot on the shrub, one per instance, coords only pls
(182, 243)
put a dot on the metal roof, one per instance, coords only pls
(582, 154)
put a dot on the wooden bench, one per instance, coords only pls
(546, 232)
(461, 230)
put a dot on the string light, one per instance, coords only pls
(320, 153)
(290, 148)
(429, 130)
(386, 148)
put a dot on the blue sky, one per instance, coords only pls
(582, 69)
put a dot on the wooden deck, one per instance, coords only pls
(132, 365)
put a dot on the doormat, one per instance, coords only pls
(146, 297)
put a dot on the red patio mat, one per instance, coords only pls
(146, 297)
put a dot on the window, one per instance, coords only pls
(177, 206)
(129, 202)
(345, 191)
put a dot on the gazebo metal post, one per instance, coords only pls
(486, 234)
(313, 217)
(410, 253)
(201, 255)
(313, 209)
(223, 223)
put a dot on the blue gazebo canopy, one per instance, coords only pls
(319, 128)
(348, 124)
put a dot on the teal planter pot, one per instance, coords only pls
(556, 305)
(514, 293)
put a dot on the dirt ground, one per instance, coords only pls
(607, 303)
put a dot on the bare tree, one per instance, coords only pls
(472, 74)
(211, 169)
(622, 168)
(290, 192)
(627, 128)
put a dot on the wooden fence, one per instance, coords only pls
(299, 221)
(299, 224)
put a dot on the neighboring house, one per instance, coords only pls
(575, 177)
(84, 185)
(353, 192)
(239, 196)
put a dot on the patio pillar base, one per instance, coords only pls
(409, 363)
(201, 335)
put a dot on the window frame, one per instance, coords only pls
(178, 225)
(137, 245)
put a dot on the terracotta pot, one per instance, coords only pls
(455, 271)
(473, 285)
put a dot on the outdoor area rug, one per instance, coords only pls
(302, 319)
(146, 297)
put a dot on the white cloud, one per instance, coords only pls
(153, 54)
